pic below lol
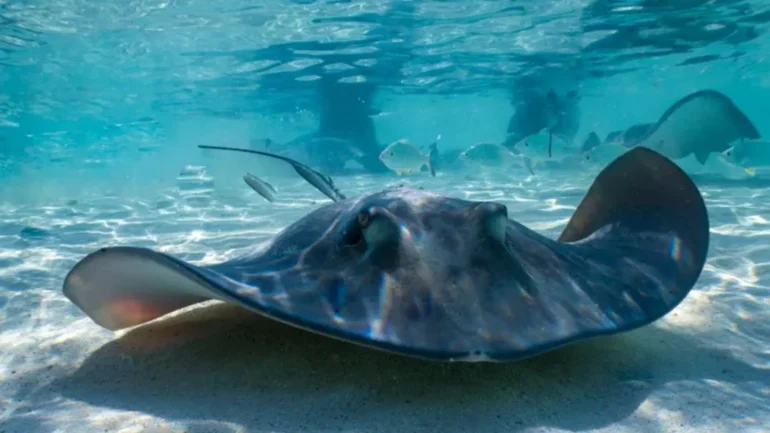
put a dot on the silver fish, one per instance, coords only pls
(260, 186)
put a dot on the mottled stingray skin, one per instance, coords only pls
(425, 275)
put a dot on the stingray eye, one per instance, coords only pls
(363, 219)
(354, 232)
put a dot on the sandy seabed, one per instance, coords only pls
(216, 368)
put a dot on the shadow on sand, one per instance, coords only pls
(221, 366)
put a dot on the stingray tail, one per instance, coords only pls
(646, 208)
(319, 181)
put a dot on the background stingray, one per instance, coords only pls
(560, 116)
(701, 123)
(345, 132)
(425, 275)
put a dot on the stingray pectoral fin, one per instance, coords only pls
(643, 208)
(122, 287)
(591, 141)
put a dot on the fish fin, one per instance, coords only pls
(751, 171)
(702, 157)
(645, 202)
(121, 287)
(398, 172)
(534, 162)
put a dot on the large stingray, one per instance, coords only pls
(425, 275)
(701, 123)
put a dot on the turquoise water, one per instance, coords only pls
(104, 104)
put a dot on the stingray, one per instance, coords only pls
(559, 116)
(430, 276)
(701, 123)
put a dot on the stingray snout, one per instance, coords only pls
(494, 219)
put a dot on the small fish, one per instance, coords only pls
(715, 164)
(604, 154)
(320, 181)
(544, 147)
(406, 158)
(748, 153)
(730, 170)
(260, 186)
(494, 155)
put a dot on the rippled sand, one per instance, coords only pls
(215, 368)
